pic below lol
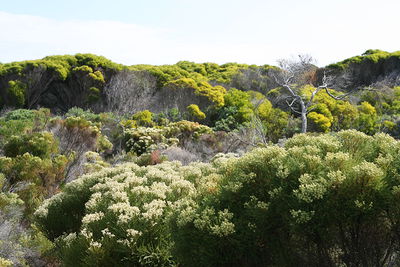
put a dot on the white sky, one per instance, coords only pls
(164, 32)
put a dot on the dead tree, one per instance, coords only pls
(293, 75)
(130, 91)
(38, 80)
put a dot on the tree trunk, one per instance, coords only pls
(303, 117)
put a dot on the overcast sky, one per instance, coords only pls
(167, 31)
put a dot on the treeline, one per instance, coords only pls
(224, 97)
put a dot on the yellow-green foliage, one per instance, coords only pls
(323, 123)
(143, 118)
(214, 93)
(103, 144)
(345, 115)
(261, 104)
(40, 144)
(41, 176)
(388, 125)
(21, 121)
(328, 113)
(273, 119)
(385, 100)
(277, 124)
(60, 65)
(371, 55)
(367, 118)
(200, 72)
(195, 112)
(214, 72)
(96, 62)
(84, 68)
(81, 123)
(241, 101)
(169, 73)
(16, 91)
(128, 123)
(97, 76)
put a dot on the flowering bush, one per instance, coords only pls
(327, 200)
(118, 216)
(144, 140)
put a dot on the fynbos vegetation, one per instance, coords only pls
(200, 164)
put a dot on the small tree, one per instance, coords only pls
(296, 73)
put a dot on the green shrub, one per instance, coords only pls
(118, 216)
(371, 55)
(195, 112)
(367, 119)
(143, 118)
(94, 94)
(34, 178)
(41, 145)
(16, 91)
(297, 205)
(85, 114)
(213, 93)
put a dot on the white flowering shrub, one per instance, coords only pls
(5, 263)
(118, 216)
(327, 200)
(142, 140)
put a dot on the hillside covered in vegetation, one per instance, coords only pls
(200, 164)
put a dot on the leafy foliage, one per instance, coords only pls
(313, 200)
(371, 55)
(298, 204)
(16, 91)
(195, 112)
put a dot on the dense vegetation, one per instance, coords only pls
(318, 201)
(198, 164)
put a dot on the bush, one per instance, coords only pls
(16, 91)
(118, 216)
(195, 112)
(144, 118)
(297, 205)
(41, 145)
(325, 200)
(144, 140)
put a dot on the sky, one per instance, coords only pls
(167, 31)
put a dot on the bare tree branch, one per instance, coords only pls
(295, 73)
